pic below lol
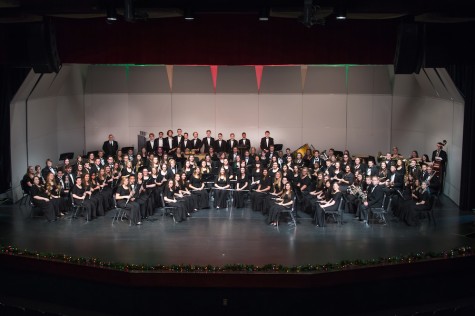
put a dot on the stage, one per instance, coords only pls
(221, 237)
(224, 237)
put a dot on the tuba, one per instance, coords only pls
(302, 150)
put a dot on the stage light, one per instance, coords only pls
(111, 10)
(340, 13)
(189, 14)
(264, 14)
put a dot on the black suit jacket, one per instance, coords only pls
(208, 145)
(196, 145)
(245, 142)
(46, 170)
(149, 148)
(110, 150)
(230, 147)
(166, 144)
(264, 145)
(220, 149)
(442, 154)
(376, 196)
(177, 143)
(95, 169)
(188, 145)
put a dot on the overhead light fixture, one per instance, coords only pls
(264, 14)
(340, 13)
(111, 10)
(189, 16)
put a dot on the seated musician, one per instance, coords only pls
(331, 205)
(263, 188)
(285, 201)
(375, 199)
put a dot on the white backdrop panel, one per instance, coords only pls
(368, 123)
(42, 130)
(280, 110)
(324, 120)
(150, 110)
(237, 113)
(106, 114)
(194, 111)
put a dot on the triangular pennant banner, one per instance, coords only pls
(214, 75)
(170, 76)
(259, 70)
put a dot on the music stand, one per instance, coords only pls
(278, 147)
(64, 156)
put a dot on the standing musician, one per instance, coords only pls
(168, 142)
(178, 139)
(196, 143)
(160, 141)
(244, 142)
(126, 201)
(208, 142)
(186, 143)
(220, 145)
(266, 142)
(152, 144)
(231, 143)
(439, 157)
(110, 147)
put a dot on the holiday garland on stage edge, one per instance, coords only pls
(268, 268)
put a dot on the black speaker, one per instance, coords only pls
(410, 48)
(42, 48)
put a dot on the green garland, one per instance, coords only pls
(243, 268)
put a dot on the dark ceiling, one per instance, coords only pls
(230, 32)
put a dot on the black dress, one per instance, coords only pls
(203, 196)
(220, 196)
(89, 205)
(413, 214)
(179, 209)
(46, 207)
(270, 198)
(319, 215)
(274, 211)
(239, 199)
(257, 198)
(131, 208)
